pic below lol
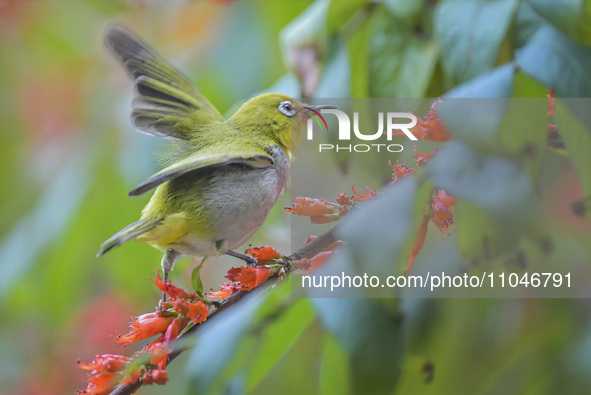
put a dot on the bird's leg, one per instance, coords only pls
(250, 261)
(168, 261)
(222, 248)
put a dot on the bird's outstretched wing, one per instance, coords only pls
(166, 103)
(202, 160)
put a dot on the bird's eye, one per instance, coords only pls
(286, 108)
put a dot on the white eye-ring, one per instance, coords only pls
(286, 108)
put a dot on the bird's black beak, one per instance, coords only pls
(312, 110)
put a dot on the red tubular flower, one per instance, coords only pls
(421, 157)
(159, 354)
(156, 376)
(315, 262)
(169, 289)
(400, 170)
(303, 264)
(181, 306)
(418, 244)
(198, 312)
(109, 370)
(226, 290)
(245, 278)
(445, 198)
(133, 378)
(106, 363)
(173, 329)
(263, 253)
(330, 247)
(160, 376)
(310, 207)
(146, 326)
(251, 276)
(345, 200)
(101, 384)
(442, 216)
(431, 128)
(364, 195)
(311, 264)
(551, 105)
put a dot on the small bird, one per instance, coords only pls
(225, 175)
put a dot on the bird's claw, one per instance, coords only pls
(161, 302)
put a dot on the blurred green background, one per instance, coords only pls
(70, 156)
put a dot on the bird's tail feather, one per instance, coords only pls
(129, 232)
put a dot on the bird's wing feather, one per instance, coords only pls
(165, 100)
(202, 160)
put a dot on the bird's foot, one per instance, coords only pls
(161, 302)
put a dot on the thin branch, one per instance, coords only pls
(308, 250)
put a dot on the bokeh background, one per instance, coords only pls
(70, 156)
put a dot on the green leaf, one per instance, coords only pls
(375, 232)
(401, 63)
(528, 145)
(335, 370)
(196, 278)
(489, 125)
(470, 34)
(336, 77)
(405, 8)
(359, 60)
(572, 17)
(495, 205)
(497, 83)
(341, 11)
(308, 28)
(45, 224)
(480, 235)
(304, 45)
(277, 339)
(527, 23)
(372, 337)
(475, 122)
(557, 62)
(500, 186)
(219, 342)
(377, 238)
(525, 86)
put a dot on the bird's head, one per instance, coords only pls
(275, 118)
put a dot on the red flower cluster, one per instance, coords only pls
(248, 278)
(421, 157)
(438, 210)
(320, 211)
(551, 103)
(104, 372)
(364, 195)
(430, 128)
(400, 171)
(182, 310)
(108, 370)
(311, 264)
(263, 253)
(440, 214)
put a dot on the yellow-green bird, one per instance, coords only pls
(226, 175)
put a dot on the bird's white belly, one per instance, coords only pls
(240, 204)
